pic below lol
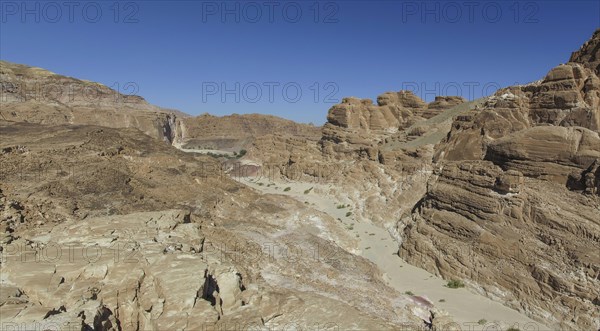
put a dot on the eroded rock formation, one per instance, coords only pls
(511, 203)
(505, 210)
(109, 229)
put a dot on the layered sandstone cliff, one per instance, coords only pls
(35, 95)
(512, 207)
(109, 229)
(236, 132)
(501, 193)
(359, 127)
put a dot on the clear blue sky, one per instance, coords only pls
(181, 54)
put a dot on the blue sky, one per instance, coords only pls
(295, 59)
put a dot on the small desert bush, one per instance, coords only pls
(455, 283)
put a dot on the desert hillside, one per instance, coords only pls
(35, 95)
(237, 132)
(501, 193)
(397, 214)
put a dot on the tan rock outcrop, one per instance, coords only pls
(504, 210)
(522, 241)
(357, 127)
(569, 96)
(236, 132)
(589, 53)
(120, 231)
(35, 95)
(546, 152)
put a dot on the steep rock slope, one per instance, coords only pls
(512, 207)
(35, 95)
(501, 193)
(357, 126)
(236, 132)
(110, 229)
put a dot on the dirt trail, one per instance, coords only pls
(471, 310)
(437, 127)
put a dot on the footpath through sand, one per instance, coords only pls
(472, 311)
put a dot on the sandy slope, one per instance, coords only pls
(377, 245)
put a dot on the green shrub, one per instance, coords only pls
(308, 191)
(348, 214)
(287, 189)
(442, 300)
(481, 321)
(409, 293)
(455, 283)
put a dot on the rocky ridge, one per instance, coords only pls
(501, 193)
(108, 229)
(236, 132)
(35, 95)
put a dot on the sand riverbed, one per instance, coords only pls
(471, 310)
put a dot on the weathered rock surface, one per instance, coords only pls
(109, 229)
(236, 132)
(589, 53)
(394, 110)
(587, 180)
(357, 127)
(546, 152)
(504, 210)
(569, 96)
(511, 203)
(502, 194)
(496, 231)
(35, 95)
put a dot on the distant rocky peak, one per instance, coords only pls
(589, 53)
(405, 99)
